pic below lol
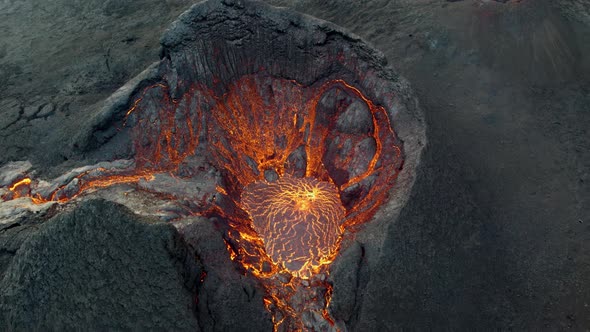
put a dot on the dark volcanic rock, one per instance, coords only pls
(11, 172)
(100, 267)
(297, 162)
(345, 278)
(520, 265)
(12, 236)
(227, 300)
(40, 65)
(356, 119)
(363, 154)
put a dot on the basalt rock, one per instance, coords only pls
(100, 267)
(227, 300)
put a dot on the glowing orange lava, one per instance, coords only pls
(298, 220)
(25, 181)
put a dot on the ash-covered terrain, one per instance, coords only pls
(122, 167)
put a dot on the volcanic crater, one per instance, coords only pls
(289, 135)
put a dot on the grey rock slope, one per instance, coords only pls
(60, 58)
(227, 299)
(99, 267)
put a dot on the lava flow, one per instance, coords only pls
(302, 168)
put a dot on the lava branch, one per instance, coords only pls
(63, 191)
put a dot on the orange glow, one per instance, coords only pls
(19, 189)
(297, 219)
(25, 181)
(220, 190)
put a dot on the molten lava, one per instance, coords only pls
(23, 182)
(297, 219)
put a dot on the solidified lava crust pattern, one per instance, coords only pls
(302, 167)
(297, 219)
